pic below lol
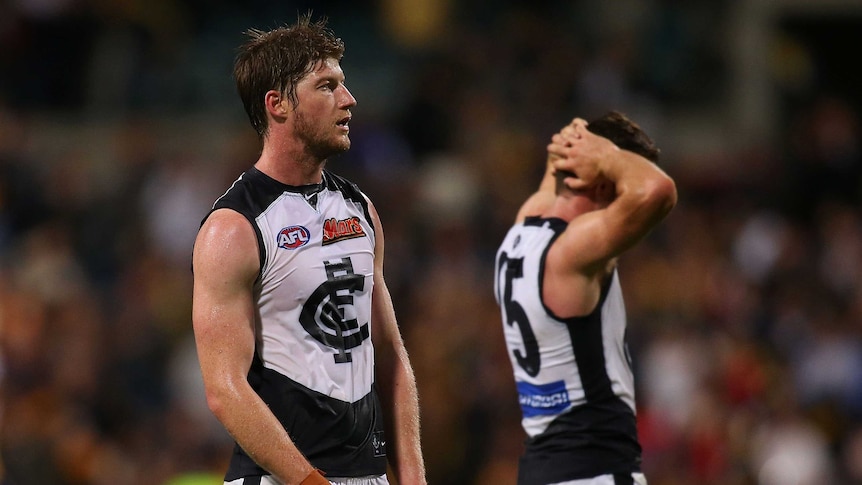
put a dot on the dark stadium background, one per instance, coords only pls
(119, 125)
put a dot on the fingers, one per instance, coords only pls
(567, 137)
(557, 151)
(564, 148)
(574, 132)
(569, 132)
(580, 129)
(560, 139)
(559, 145)
(561, 159)
(575, 183)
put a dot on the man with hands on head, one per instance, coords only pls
(297, 338)
(564, 320)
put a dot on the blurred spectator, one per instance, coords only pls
(745, 307)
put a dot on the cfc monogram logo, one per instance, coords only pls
(329, 315)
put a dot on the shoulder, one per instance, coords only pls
(250, 194)
(224, 222)
(348, 189)
(226, 241)
(536, 205)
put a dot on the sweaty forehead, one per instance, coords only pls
(329, 67)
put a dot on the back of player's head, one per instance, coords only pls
(625, 134)
(278, 59)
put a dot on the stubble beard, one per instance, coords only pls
(319, 145)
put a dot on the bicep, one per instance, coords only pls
(644, 196)
(385, 330)
(591, 240)
(225, 262)
(606, 233)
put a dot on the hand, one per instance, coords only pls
(578, 151)
(559, 139)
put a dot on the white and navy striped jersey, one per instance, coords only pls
(573, 375)
(314, 360)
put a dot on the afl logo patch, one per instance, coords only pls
(293, 237)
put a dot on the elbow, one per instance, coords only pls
(216, 403)
(219, 398)
(661, 194)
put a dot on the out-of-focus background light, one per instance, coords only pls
(119, 125)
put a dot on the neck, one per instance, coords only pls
(567, 206)
(285, 163)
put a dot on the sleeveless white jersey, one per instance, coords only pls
(573, 375)
(318, 272)
(314, 359)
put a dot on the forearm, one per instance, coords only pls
(251, 423)
(640, 184)
(401, 398)
(394, 381)
(548, 183)
(543, 197)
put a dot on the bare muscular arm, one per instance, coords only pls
(396, 382)
(642, 195)
(226, 263)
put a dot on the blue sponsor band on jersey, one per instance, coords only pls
(543, 399)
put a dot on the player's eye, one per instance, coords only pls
(329, 86)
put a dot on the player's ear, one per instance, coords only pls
(276, 104)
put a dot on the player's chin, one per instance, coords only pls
(344, 143)
(341, 145)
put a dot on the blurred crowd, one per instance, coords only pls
(119, 126)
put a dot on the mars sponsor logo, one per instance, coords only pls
(338, 230)
(293, 237)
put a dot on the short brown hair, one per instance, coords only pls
(278, 59)
(625, 134)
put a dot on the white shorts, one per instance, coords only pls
(637, 479)
(267, 480)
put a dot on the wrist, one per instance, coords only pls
(314, 478)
